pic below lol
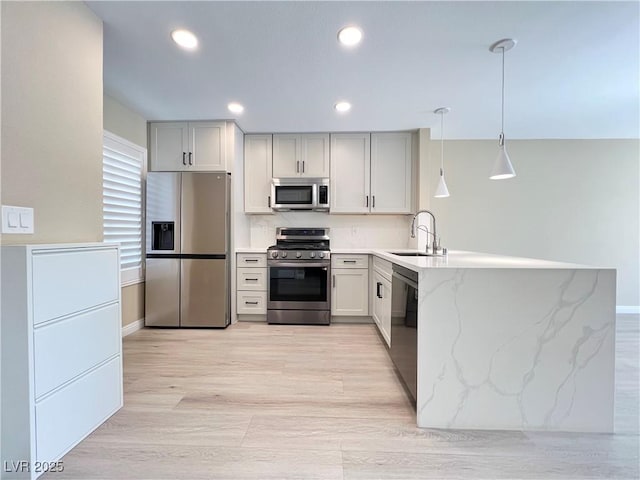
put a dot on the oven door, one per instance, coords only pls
(299, 286)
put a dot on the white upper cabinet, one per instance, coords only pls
(371, 173)
(301, 155)
(188, 146)
(257, 173)
(350, 170)
(391, 164)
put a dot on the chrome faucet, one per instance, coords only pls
(436, 243)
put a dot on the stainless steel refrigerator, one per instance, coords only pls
(187, 250)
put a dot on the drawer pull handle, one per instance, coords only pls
(250, 259)
(251, 279)
(348, 261)
(250, 303)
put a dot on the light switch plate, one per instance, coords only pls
(17, 219)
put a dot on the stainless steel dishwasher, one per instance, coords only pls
(404, 326)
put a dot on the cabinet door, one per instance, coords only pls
(286, 156)
(257, 173)
(314, 155)
(207, 142)
(391, 186)
(382, 305)
(169, 146)
(385, 320)
(350, 163)
(349, 294)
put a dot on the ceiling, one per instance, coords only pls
(574, 72)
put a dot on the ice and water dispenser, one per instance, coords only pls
(162, 235)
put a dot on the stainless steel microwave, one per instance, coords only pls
(300, 194)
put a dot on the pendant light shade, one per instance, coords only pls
(502, 167)
(442, 190)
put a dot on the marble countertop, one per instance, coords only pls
(464, 259)
(454, 259)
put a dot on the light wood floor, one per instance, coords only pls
(258, 401)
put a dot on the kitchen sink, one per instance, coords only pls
(411, 254)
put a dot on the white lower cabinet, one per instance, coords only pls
(251, 284)
(381, 291)
(61, 349)
(349, 285)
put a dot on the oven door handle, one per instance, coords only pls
(300, 264)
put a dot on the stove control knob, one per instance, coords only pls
(284, 254)
(312, 254)
(298, 254)
(321, 254)
(274, 254)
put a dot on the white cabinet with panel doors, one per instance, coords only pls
(301, 155)
(257, 173)
(187, 146)
(349, 285)
(381, 291)
(371, 173)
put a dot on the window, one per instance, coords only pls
(122, 169)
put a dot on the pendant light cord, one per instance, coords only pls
(502, 124)
(441, 143)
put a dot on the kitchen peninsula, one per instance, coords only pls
(509, 343)
(513, 343)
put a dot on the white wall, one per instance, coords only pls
(572, 200)
(52, 118)
(347, 231)
(124, 122)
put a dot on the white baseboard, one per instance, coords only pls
(628, 309)
(132, 327)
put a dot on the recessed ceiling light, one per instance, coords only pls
(342, 107)
(235, 107)
(349, 36)
(185, 39)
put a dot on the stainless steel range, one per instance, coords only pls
(299, 271)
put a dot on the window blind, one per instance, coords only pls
(123, 165)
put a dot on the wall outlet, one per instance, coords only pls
(17, 219)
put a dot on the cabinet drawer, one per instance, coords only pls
(67, 282)
(383, 266)
(252, 260)
(252, 303)
(251, 279)
(65, 349)
(67, 416)
(349, 261)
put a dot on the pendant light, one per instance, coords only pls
(502, 167)
(441, 189)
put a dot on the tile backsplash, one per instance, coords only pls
(347, 231)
